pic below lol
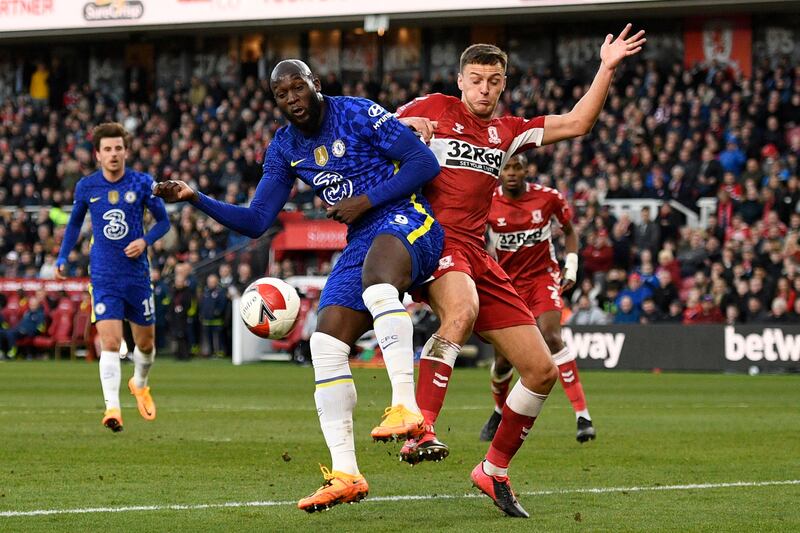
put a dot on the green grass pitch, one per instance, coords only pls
(669, 449)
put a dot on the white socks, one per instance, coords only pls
(110, 376)
(142, 363)
(335, 397)
(395, 333)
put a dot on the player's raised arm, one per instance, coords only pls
(581, 119)
(72, 231)
(252, 221)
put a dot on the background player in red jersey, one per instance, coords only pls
(472, 146)
(520, 236)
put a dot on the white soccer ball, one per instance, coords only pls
(269, 308)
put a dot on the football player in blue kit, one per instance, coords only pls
(116, 198)
(368, 167)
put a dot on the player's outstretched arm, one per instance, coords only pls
(251, 221)
(72, 232)
(581, 119)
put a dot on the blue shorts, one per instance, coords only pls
(412, 223)
(133, 302)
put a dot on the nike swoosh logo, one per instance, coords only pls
(295, 163)
(391, 343)
(93, 200)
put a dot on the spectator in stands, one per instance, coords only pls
(598, 255)
(244, 277)
(627, 312)
(779, 313)
(674, 313)
(693, 257)
(636, 291)
(706, 312)
(178, 317)
(732, 158)
(212, 315)
(755, 311)
(732, 315)
(162, 300)
(647, 232)
(40, 86)
(586, 288)
(587, 313)
(669, 223)
(32, 323)
(651, 314)
(666, 292)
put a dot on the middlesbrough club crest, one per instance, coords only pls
(537, 216)
(494, 138)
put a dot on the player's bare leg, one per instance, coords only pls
(526, 350)
(337, 330)
(110, 333)
(454, 299)
(501, 373)
(550, 325)
(387, 271)
(143, 356)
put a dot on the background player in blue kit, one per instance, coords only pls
(363, 162)
(116, 198)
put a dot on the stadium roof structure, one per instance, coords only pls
(28, 18)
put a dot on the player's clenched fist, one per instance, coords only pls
(348, 210)
(174, 191)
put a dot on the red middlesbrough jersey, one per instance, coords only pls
(471, 153)
(520, 231)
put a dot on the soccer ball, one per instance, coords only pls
(269, 308)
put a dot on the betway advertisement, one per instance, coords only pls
(48, 15)
(667, 347)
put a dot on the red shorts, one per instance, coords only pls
(542, 293)
(500, 305)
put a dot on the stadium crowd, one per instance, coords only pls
(666, 133)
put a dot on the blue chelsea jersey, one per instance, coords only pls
(117, 212)
(345, 158)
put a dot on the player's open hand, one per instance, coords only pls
(614, 51)
(135, 248)
(174, 191)
(423, 126)
(348, 210)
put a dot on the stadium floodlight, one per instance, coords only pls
(376, 24)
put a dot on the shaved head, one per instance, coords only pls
(297, 94)
(290, 68)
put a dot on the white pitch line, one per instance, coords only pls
(409, 497)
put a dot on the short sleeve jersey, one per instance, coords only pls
(117, 213)
(520, 231)
(345, 158)
(471, 153)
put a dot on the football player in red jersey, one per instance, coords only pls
(521, 238)
(472, 146)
